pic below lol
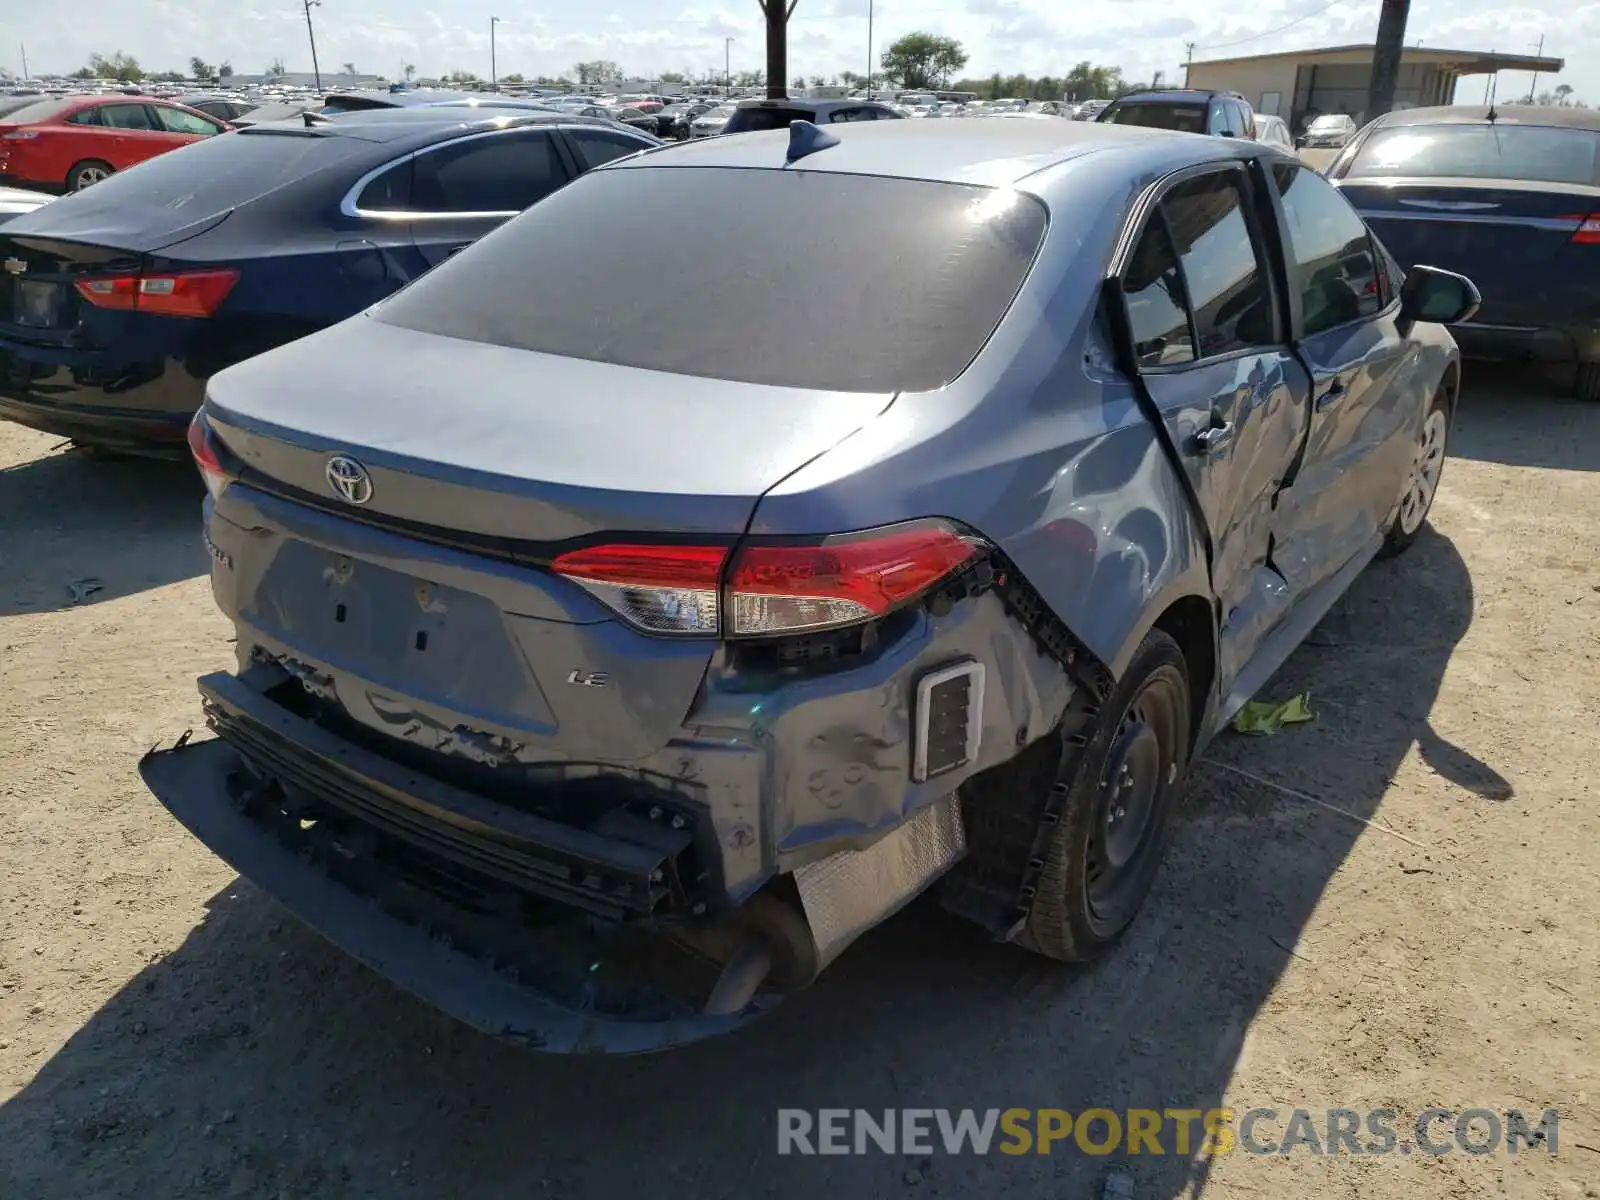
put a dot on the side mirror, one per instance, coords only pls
(1433, 294)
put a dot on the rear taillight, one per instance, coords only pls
(203, 447)
(770, 589)
(177, 294)
(1588, 231)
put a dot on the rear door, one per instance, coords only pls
(135, 133)
(464, 188)
(592, 146)
(1363, 417)
(1503, 204)
(1205, 316)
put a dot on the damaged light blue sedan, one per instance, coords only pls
(605, 668)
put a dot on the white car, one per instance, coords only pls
(711, 122)
(1330, 130)
(16, 201)
(1272, 131)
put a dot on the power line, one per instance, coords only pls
(1256, 37)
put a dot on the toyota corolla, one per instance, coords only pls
(604, 670)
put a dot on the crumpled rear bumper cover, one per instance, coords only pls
(192, 780)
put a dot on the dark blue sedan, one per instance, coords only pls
(117, 304)
(1509, 196)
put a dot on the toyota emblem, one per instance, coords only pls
(349, 479)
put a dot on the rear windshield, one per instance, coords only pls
(746, 120)
(39, 110)
(1543, 153)
(220, 172)
(1186, 118)
(837, 282)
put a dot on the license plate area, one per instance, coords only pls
(36, 303)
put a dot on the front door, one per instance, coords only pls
(1213, 352)
(462, 189)
(1364, 420)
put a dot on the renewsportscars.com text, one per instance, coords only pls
(1184, 1131)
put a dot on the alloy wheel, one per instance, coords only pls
(1426, 465)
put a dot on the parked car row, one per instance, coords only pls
(604, 671)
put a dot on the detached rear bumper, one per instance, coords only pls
(450, 942)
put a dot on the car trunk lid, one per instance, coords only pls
(1512, 238)
(428, 608)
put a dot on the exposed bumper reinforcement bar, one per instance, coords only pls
(192, 782)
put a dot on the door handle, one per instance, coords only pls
(1334, 392)
(1213, 438)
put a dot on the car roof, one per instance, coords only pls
(1174, 95)
(424, 123)
(1508, 114)
(994, 153)
(827, 105)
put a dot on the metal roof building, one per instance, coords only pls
(1295, 84)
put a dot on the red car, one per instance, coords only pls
(67, 143)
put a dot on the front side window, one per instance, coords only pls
(175, 120)
(1222, 269)
(125, 116)
(502, 173)
(1339, 273)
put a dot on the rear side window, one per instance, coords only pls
(125, 116)
(746, 120)
(1222, 271)
(389, 192)
(501, 173)
(596, 147)
(1339, 273)
(837, 282)
(175, 120)
(1186, 118)
(85, 116)
(1158, 314)
(1501, 151)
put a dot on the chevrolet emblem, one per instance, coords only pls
(15, 266)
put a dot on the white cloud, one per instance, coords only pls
(826, 36)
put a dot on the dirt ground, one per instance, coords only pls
(165, 1030)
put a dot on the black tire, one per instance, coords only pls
(1097, 874)
(1587, 385)
(87, 173)
(1408, 520)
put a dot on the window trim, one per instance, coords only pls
(350, 208)
(1149, 205)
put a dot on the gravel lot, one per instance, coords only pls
(165, 1030)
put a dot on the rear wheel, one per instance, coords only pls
(1587, 387)
(1422, 480)
(87, 173)
(1116, 806)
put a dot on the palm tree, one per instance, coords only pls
(410, 71)
(350, 69)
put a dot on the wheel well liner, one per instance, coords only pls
(1190, 622)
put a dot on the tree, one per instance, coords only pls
(799, 83)
(277, 68)
(922, 60)
(167, 77)
(82, 73)
(777, 13)
(120, 66)
(514, 78)
(1089, 82)
(350, 69)
(199, 68)
(460, 77)
(746, 79)
(674, 77)
(225, 70)
(409, 71)
(601, 70)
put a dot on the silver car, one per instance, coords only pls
(603, 671)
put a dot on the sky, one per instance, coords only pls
(646, 37)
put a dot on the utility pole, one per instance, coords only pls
(24, 50)
(312, 34)
(727, 67)
(494, 74)
(1188, 62)
(869, 50)
(1386, 51)
(1533, 87)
